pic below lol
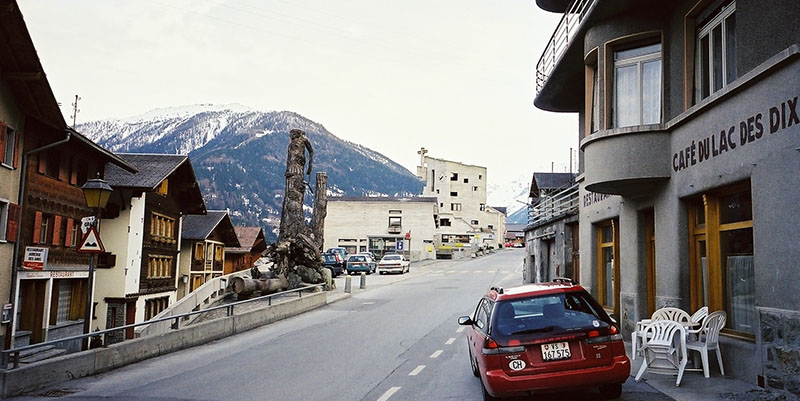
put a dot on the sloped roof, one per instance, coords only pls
(201, 226)
(515, 227)
(500, 209)
(153, 169)
(247, 239)
(549, 181)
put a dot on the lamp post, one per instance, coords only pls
(96, 191)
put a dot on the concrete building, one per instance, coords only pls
(689, 135)
(381, 225)
(142, 232)
(466, 223)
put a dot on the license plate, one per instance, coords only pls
(555, 351)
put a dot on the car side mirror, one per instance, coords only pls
(465, 321)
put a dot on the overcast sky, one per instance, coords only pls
(454, 76)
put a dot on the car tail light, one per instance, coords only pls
(594, 333)
(490, 347)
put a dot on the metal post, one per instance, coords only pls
(87, 319)
(347, 283)
(363, 281)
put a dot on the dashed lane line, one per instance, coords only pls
(417, 370)
(436, 354)
(390, 392)
(450, 341)
(460, 329)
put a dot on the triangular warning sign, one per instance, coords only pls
(91, 242)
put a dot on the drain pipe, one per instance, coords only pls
(20, 201)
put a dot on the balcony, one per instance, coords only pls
(563, 58)
(632, 161)
(552, 207)
(394, 229)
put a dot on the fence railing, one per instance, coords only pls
(554, 206)
(12, 356)
(560, 40)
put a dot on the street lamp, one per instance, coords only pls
(96, 191)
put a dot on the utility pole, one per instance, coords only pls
(75, 110)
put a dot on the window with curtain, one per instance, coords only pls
(716, 50)
(637, 86)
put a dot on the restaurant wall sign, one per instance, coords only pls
(746, 131)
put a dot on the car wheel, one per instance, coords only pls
(473, 363)
(611, 391)
(486, 395)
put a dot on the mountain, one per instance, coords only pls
(239, 156)
(513, 195)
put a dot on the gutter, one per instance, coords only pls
(15, 254)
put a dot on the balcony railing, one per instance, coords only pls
(561, 39)
(554, 206)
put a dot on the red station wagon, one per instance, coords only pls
(543, 337)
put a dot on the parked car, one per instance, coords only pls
(367, 253)
(544, 337)
(509, 245)
(519, 245)
(334, 262)
(342, 252)
(360, 263)
(394, 263)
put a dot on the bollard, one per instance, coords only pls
(347, 281)
(363, 280)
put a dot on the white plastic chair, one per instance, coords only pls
(698, 318)
(664, 349)
(708, 339)
(666, 313)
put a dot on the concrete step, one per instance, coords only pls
(41, 354)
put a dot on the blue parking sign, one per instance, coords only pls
(399, 245)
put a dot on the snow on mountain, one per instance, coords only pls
(512, 194)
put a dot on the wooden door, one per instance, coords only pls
(32, 294)
(130, 318)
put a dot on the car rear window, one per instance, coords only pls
(548, 314)
(357, 258)
(393, 257)
(329, 258)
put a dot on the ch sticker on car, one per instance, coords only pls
(516, 365)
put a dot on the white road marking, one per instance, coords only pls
(460, 329)
(390, 392)
(368, 303)
(436, 274)
(436, 354)
(477, 271)
(450, 341)
(451, 271)
(417, 370)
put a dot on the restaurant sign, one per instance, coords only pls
(35, 258)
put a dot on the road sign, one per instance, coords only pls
(91, 242)
(87, 222)
(399, 245)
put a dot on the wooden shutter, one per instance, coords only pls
(63, 169)
(57, 230)
(3, 139)
(68, 239)
(37, 227)
(17, 150)
(12, 227)
(42, 163)
(73, 176)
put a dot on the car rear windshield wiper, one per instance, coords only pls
(539, 330)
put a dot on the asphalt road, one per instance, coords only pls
(396, 340)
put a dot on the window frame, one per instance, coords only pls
(398, 219)
(720, 19)
(638, 61)
(600, 268)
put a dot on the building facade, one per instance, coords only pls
(465, 223)
(252, 244)
(689, 132)
(142, 233)
(381, 225)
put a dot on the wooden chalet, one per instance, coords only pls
(252, 244)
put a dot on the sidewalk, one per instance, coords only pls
(695, 387)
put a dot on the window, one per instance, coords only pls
(153, 307)
(444, 222)
(474, 189)
(453, 193)
(491, 226)
(482, 207)
(637, 86)
(162, 228)
(159, 266)
(480, 177)
(3, 219)
(466, 180)
(73, 227)
(453, 176)
(608, 264)
(716, 50)
(482, 314)
(395, 221)
(43, 227)
(199, 251)
(395, 211)
(8, 145)
(474, 222)
(595, 123)
(455, 207)
(163, 187)
(721, 256)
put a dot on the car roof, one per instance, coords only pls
(527, 290)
